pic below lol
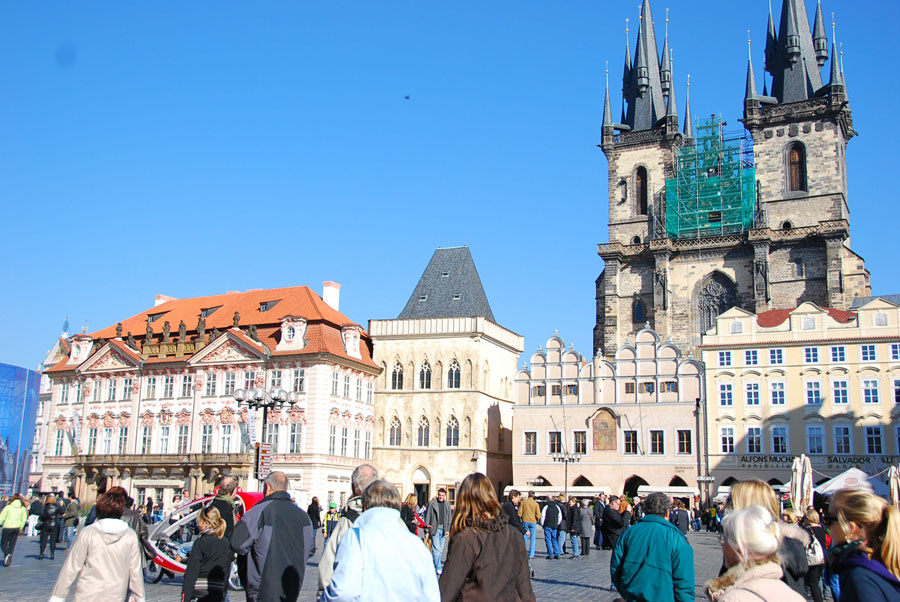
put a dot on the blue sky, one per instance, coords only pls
(190, 148)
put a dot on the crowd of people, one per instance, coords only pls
(381, 546)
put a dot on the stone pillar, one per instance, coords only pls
(834, 279)
(761, 275)
(661, 293)
(610, 317)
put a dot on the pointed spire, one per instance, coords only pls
(672, 107)
(626, 74)
(820, 42)
(641, 73)
(665, 66)
(765, 89)
(794, 67)
(771, 42)
(688, 120)
(750, 92)
(837, 72)
(607, 110)
(792, 37)
(646, 105)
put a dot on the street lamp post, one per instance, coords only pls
(258, 398)
(566, 458)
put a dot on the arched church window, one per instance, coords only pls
(397, 377)
(636, 240)
(423, 432)
(640, 190)
(425, 376)
(453, 376)
(396, 431)
(716, 297)
(639, 313)
(453, 432)
(796, 167)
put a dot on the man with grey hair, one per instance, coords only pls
(276, 536)
(362, 476)
(653, 560)
(379, 559)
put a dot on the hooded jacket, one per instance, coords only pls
(752, 584)
(793, 556)
(14, 515)
(326, 563)
(107, 563)
(653, 561)
(862, 578)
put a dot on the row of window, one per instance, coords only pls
(453, 376)
(630, 442)
(838, 355)
(869, 390)
(360, 385)
(647, 387)
(423, 433)
(362, 447)
(779, 440)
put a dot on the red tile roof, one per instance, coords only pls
(774, 317)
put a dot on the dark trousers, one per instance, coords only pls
(597, 535)
(585, 545)
(8, 541)
(48, 535)
(814, 581)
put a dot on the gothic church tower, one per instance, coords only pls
(700, 221)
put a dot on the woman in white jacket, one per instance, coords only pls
(105, 558)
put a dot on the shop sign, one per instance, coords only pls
(763, 461)
(860, 461)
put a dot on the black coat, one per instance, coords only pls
(564, 516)
(613, 525)
(679, 517)
(574, 522)
(408, 516)
(226, 511)
(512, 514)
(210, 559)
(50, 516)
(36, 507)
(315, 515)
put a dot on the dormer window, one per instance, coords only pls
(267, 305)
(457, 296)
(207, 311)
(289, 333)
(445, 274)
(423, 298)
(154, 317)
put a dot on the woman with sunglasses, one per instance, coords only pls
(865, 552)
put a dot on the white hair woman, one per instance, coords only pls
(750, 542)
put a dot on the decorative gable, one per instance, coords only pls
(293, 331)
(228, 348)
(108, 361)
(81, 349)
(351, 335)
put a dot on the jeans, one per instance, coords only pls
(30, 531)
(697, 524)
(184, 550)
(437, 547)
(561, 541)
(598, 538)
(70, 537)
(552, 541)
(529, 537)
(831, 580)
(576, 544)
(8, 542)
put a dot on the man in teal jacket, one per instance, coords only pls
(653, 561)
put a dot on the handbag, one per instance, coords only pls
(39, 525)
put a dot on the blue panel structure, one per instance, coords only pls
(19, 397)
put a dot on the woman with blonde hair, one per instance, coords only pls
(865, 552)
(794, 540)
(408, 513)
(751, 538)
(209, 564)
(817, 531)
(486, 557)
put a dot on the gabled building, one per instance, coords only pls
(149, 403)
(443, 402)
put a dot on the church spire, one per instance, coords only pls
(665, 65)
(607, 109)
(794, 68)
(646, 105)
(750, 91)
(820, 42)
(837, 73)
(771, 41)
(688, 120)
(672, 106)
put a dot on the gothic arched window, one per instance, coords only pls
(396, 431)
(453, 432)
(639, 313)
(425, 376)
(423, 433)
(397, 377)
(796, 167)
(717, 295)
(453, 376)
(640, 190)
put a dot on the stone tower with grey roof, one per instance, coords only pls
(793, 244)
(443, 403)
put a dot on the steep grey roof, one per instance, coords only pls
(860, 301)
(449, 287)
(644, 93)
(794, 67)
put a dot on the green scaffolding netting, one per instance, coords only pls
(713, 192)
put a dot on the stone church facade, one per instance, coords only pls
(674, 260)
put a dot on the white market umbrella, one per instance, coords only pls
(853, 478)
(807, 484)
(796, 492)
(894, 485)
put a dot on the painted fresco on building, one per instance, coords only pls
(19, 392)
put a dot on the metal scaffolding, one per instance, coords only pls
(713, 192)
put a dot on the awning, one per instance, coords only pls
(580, 491)
(854, 478)
(672, 490)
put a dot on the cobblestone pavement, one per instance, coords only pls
(584, 578)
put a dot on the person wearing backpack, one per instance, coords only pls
(815, 553)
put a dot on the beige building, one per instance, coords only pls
(810, 380)
(443, 403)
(627, 424)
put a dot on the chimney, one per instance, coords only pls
(160, 299)
(331, 294)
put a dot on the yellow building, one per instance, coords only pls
(810, 380)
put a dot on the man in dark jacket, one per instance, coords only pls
(34, 513)
(224, 503)
(268, 534)
(573, 524)
(511, 508)
(614, 523)
(599, 507)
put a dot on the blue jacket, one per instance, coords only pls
(653, 562)
(379, 559)
(866, 580)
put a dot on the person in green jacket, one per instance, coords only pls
(12, 519)
(652, 561)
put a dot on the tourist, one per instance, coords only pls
(817, 565)
(314, 510)
(105, 559)
(34, 515)
(378, 558)
(12, 518)
(562, 532)
(49, 526)
(408, 513)
(793, 539)
(71, 518)
(696, 517)
(486, 557)
(573, 526)
(865, 552)
(360, 478)
(511, 508)
(587, 528)
(680, 518)
(224, 502)
(653, 560)
(437, 518)
(750, 543)
(61, 504)
(530, 513)
(277, 538)
(208, 567)
(614, 522)
(551, 516)
(638, 512)
(331, 520)
(599, 507)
